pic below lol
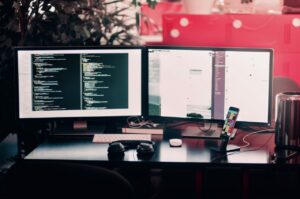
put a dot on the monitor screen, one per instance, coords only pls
(63, 82)
(202, 83)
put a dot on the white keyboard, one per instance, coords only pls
(108, 138)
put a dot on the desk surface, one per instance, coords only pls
(194, 152)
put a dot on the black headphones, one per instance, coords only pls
(144, 148)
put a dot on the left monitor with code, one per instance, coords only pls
(79, 82)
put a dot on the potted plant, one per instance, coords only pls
(59, 22)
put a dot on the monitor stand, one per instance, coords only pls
(78, 127)
(209, 131)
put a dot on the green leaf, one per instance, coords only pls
(152, 3)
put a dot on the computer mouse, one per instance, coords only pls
(145, 148)
(175, 142)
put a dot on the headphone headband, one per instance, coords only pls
(132, 144)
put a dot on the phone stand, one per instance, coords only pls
(225, 147)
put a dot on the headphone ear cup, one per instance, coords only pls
(116, 148)
(145, 149)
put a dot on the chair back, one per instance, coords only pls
(56, 179)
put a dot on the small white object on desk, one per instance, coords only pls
(175, 142)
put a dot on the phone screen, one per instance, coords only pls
(230, 121)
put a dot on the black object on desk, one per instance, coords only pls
(117, 149)
(225, 147)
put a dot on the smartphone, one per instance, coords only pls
(230, 121)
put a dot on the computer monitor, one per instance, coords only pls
(202, 83)
(79, 82)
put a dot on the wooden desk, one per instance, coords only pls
(194, 153)
(251, 171)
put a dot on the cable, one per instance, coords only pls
(239, 152)
(250, 128)
(291, 156)
(254, 149)
(258, 148)
(286, 148)
(247, 144)
(205, 130)
(139, 122)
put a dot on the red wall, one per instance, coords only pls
(280, 32)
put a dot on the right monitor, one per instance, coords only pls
(202, 83)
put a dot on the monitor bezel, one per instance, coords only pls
(103, 119)
(239, 123)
